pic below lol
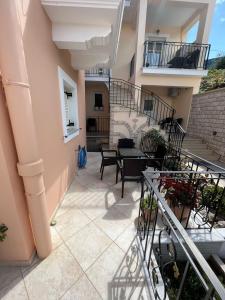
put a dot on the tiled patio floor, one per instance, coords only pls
(95, 254)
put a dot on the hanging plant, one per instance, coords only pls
(3, 229)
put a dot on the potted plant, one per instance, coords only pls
(181, 196)
(148, 206)
(153, 139)
(3, 229)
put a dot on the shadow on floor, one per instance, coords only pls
(129, 281)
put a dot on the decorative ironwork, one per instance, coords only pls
(159, 112)
(98, 125)
(175, 267)
(98, 72)
(176, 55)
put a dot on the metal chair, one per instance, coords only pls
(109, 158)
(126, 143)
(131, 170)
(156, 159)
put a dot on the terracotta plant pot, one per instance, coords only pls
(177, 210)
(147, 214)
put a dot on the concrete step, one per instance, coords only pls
(195, 146)
(193, 142)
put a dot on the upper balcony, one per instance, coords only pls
(173, 38)
(173, 58)
(97, 74)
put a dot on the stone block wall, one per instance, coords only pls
(207, 119)
(127, 124)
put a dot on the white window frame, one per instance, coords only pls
(66, 79)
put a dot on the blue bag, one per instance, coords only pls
(82, 157)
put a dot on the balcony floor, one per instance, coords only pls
(95, 254)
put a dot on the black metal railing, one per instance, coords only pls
(176, 55)
(176, 135)
(135, 98)
(208, 203)
(174, 267)
(149, 104)
(98, 125)
(98, 72)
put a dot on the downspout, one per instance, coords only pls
(18, 97)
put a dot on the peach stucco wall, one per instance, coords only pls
(90, 89)
(13, 211)
(42, 59)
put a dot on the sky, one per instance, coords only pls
(217, 34)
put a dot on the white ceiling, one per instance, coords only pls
(80, 15)
(171, 13)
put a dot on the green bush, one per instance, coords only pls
(214, 80)
(155, 137)
(211, 197)
(221, 63)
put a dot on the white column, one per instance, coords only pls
(205, 21)
(140, 33)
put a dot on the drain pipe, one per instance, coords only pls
(18, 98)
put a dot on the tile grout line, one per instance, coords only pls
(24, 283)
(84, 273)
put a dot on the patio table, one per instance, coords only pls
(131, 153)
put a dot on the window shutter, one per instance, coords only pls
(66, 109)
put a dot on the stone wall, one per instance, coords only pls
(207, 119)
(127, 124)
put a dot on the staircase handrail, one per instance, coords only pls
(161, 110)
(143, 90)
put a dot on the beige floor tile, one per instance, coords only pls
(88, 244)
(70, 223)
(15, 290)
(52, 277)
(96, 203)
(128, 207)
(56, 239)
(102, 272)
(82, 290)
(113, 223)
(75, 191)
(92, 182)
(126, 238)
(67, 205)
(128, 281)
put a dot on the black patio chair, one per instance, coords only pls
(156, 159)
(126, 143)
(109, 158)
(131, 171)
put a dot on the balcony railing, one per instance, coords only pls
(176, 55)
(174, 267)
(98, 125)
(208, 207)
(98, 72)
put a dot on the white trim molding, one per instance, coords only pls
(174, 72)
(66, 82)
